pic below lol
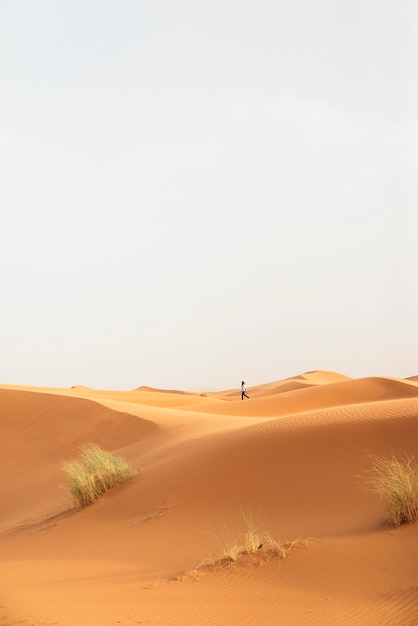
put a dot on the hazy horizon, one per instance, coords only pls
(194, 194)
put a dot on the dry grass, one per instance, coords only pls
(253, 542)
(395, 479)
(276, 548)
(231, 544)
(94, 473)
(254, 535)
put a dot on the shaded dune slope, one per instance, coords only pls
(37, 432)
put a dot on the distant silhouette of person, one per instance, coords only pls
(243, 391)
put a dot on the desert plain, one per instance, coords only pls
(291, 459)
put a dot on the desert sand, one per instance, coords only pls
(148, 552)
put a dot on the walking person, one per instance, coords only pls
(243, 391)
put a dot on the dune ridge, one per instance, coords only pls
(293, 455)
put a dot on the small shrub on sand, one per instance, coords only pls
(395, 479)
(237, 543)
(94, 473)
(255, 540)
(280, 550)
(254, 535)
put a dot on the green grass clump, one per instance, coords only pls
(395, 479)
(95, 472)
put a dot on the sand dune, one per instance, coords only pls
(292, 455)
(413, 378)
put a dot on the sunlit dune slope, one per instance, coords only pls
(42, 429)
(293, 455)
(301, 381)
(282, 401)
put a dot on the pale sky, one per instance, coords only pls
(195, 193)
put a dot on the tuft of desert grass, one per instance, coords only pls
(276, 548)
(254, 535)
(255, 540)
(231, 544)
(95, 472)
(395, 479)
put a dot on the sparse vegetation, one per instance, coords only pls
(255, 540)
(254, 536)
(395, 479)
(278, 549)
(231, 543)
(94, 473)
